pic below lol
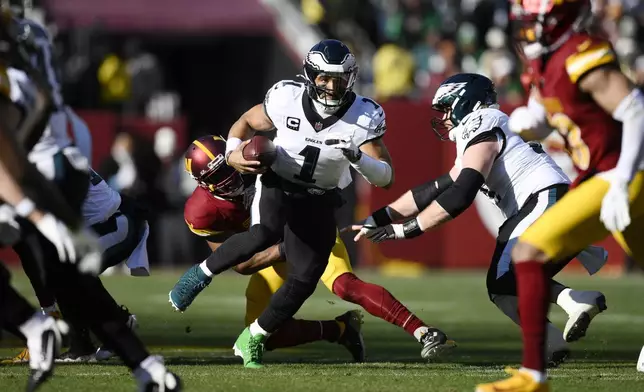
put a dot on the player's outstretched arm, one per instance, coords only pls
(615, 93)
(612, 90)
(477, 162)
(406, 206)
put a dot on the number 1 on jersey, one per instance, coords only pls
(311, 155)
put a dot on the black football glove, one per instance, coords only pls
(396, 231)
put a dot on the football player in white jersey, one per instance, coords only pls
(518, 177)
(82, 298)
(322, 129)
(33, 206)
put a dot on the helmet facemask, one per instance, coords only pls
(329, 88)
(221, 179)
(442, 126)
(329, 84)
(459, 96)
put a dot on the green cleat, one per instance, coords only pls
(250, 349)
(188, 287)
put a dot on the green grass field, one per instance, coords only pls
(197, 344)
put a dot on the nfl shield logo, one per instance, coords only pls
(318, 126)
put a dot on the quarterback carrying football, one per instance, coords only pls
(219, 207)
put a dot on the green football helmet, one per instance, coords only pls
(459, 96)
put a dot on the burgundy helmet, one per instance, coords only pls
(205, 161)
(540, 26)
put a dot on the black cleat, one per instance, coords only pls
(557, 358)
(435, 343)
(352, 337)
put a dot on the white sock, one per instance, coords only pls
(205, 269)
(419, 332)
(31, 326)
(538, 376)
(255, 329)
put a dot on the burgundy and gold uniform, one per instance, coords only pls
(217, 218)
(593, 137)
(210, 216)
(218, 209)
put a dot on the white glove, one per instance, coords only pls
(58, 234)
(90, 252)
(615, 214)
(81, 248)
(344, 143)
(522, 119)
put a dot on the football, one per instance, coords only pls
(260, 149)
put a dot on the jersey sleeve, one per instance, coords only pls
(482, 125)
(371, 122)
(279, 97)
(590, 54)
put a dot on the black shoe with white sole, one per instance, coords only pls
(435, 343)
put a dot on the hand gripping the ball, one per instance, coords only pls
(237, 161)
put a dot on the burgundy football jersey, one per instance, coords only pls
(211, 216)
(593, 138)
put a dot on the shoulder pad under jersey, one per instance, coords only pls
(370, 118)
(591, 53)
(280, 96)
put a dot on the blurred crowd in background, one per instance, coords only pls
(405, 49)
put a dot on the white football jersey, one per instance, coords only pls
(520, 170)
(302, 156)
(55, 137)
(101, 201)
